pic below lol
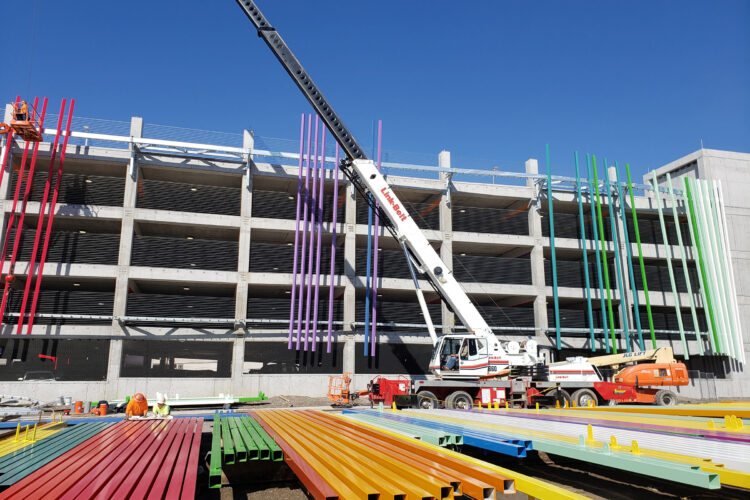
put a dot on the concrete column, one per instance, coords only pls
(446, 228)
(126, 239)
(537, 255)
(350, 299)
(113, 369)
(243, 253)
(238, 362)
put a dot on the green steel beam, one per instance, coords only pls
(683, 259)
(584, 247)
(552, 249)
(703, 279)
(634, 289)
(618, 271)
(604, 258)
(595, 230)
(668, 252)
(640, 258)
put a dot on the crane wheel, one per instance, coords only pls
(665, 398)
(427, 401)
(561, 396)
(582, 397)
(4, 128)
(459, 400)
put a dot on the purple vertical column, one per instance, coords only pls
(312, 232)
(321, 194)
(333, 248)
(376, 256)
(296, 230)
(301, 293)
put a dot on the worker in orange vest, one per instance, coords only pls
(22, 111)
(137, 406)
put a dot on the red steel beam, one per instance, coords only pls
(186, 468)
(143, 486)
(40, 219)
(50, 218)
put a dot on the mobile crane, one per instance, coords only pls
(472, 367)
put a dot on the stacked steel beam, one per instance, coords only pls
(130, 459)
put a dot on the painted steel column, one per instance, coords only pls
(537, 256)
(552, 248)
(640, 259)
(703, 280)
(350, 254)
(243, 247)
(584, 248)
(313, 214)
(305, 229)
(683, 259)
(319, 246)
(668, 252)
(595, 238)
(332, 273)
(628, 251)
(296, 232)
(618, 271)
(605, 267)
(446, 229)
(376, 250)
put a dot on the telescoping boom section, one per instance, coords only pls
(369, 181)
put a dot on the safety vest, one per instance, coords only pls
(163, 411)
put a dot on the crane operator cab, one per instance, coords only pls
(460, 356)
(24, 123)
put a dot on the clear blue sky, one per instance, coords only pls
(636, 81)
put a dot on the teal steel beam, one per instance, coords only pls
(593, 204)
(604, 260)
(552, 250)
(668, 252)
(683, 259)
(640, 258)
(618, 271)
(584, 247)
(629, 252)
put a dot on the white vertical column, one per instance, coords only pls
(243, 250)
(537, 255)
(350, 274)
(446, 231)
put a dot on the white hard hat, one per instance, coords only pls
(161, 398)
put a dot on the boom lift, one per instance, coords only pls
(24, 122)
(469, 366)
(487, 354)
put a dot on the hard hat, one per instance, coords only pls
(162, 399)
(139, 397)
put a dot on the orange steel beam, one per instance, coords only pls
(400, 480)
(477, 483)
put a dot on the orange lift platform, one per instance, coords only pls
(25, 123)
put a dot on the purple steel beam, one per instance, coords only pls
(373, 331)
(312, 231)
(301, 298)
(296, 230)
(321, 194)
(333, 248)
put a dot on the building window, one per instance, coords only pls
(176, 358)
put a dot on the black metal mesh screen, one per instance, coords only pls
(394, 358)
(426, 215)
(279, 308)
(64, 302)
(283, 205)
(490, 220)
(568, 225)
(161, 251)
(570, 273)
(278, 258)
(488, 269)
(73, 247)
(183, 197)
(274, 357)
(61, 359)
(666, 319)
(176, 358)
(180, 306)
(650, 230)
(657, 277)
(76, 189)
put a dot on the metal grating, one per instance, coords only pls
(578, 318)
(283, 205)
(490, 220)
(666, 319)
(650, 230)
(426, 215)
(570, 273)
(183, 197)
(657, 277)
(78, 189)
(398, 312)
(65, 302)
(74, 247)
(488, 269)
(278, 308)
(278, 258)
(179, 306)
(162, 251)
(391, 264)
(568, 225)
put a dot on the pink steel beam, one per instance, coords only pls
(296, 230)
(374, 301)
(308, 305)
(50, 218)
(321, 195)
(333, 249)
(26, 196)
(301, 293)
(40, 219)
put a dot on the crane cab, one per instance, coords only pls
(460, 356)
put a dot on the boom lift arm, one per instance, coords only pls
(368, 180)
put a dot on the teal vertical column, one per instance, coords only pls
(618, 271)
(633, 288)
(584, 247)
(552, 249)
(595, 229)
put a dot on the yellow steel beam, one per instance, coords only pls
(27, 435)
(532, 487)
(720, 411)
